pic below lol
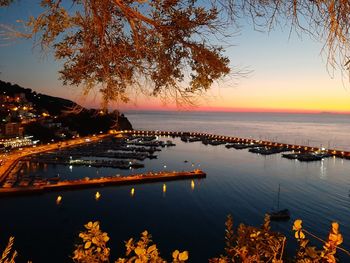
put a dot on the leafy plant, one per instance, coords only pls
(248, 244)
(143, 251)
(307, 253)
(8, 255)
(94, 247)
(251, 244)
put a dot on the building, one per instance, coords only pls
(12, 129)
(16, 142)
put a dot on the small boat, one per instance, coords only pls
(279, 215)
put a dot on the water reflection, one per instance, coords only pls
(58, 200)
(323, 170)
(237, 183)
(192, 185)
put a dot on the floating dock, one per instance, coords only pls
(105, 181)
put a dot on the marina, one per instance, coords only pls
(123, 152)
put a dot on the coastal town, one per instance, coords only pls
(111, 147)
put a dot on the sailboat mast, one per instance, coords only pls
(278, 197)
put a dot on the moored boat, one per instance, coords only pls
(280, 215)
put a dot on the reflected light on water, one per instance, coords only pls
(59, 200)
(192, 185)
(132, 192)
(97, 196)
(323, 170)
(164, 188)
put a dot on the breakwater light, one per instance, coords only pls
(97, 196)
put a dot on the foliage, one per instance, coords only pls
(249, 244)
(8, 255)
(158, 46)
(142, 251)
(324, 20)
(119, 46)
(307, 253)
(5, 2)
(94, 247)
(252, 244)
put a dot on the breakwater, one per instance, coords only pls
(105, 181)
(230, 139)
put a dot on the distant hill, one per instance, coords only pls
(54, 105)
(85, 122)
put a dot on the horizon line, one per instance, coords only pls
(238, 110)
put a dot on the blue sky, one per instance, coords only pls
(288, 73)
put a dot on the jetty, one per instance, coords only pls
(240, 143)
(104, 181)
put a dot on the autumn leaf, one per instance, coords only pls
(183, 256)
(175, 254)
(297, 224)
(87, 245)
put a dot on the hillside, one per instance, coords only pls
(44, 112)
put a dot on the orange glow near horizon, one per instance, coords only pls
(241, 102)
(286, 94)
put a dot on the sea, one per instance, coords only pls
(320, 130)
(191, 216)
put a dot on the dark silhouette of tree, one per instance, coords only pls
(5, 2)
(163, 47)
(325, 20)
(116, 45)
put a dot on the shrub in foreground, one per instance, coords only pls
(247, 245)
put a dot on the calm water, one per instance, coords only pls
(326, 130)
(238, 182)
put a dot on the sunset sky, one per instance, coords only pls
(287, 73)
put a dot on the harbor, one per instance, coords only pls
(125, 150)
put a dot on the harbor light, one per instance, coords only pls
(59, 199)
(132, 192)
(97, 196)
